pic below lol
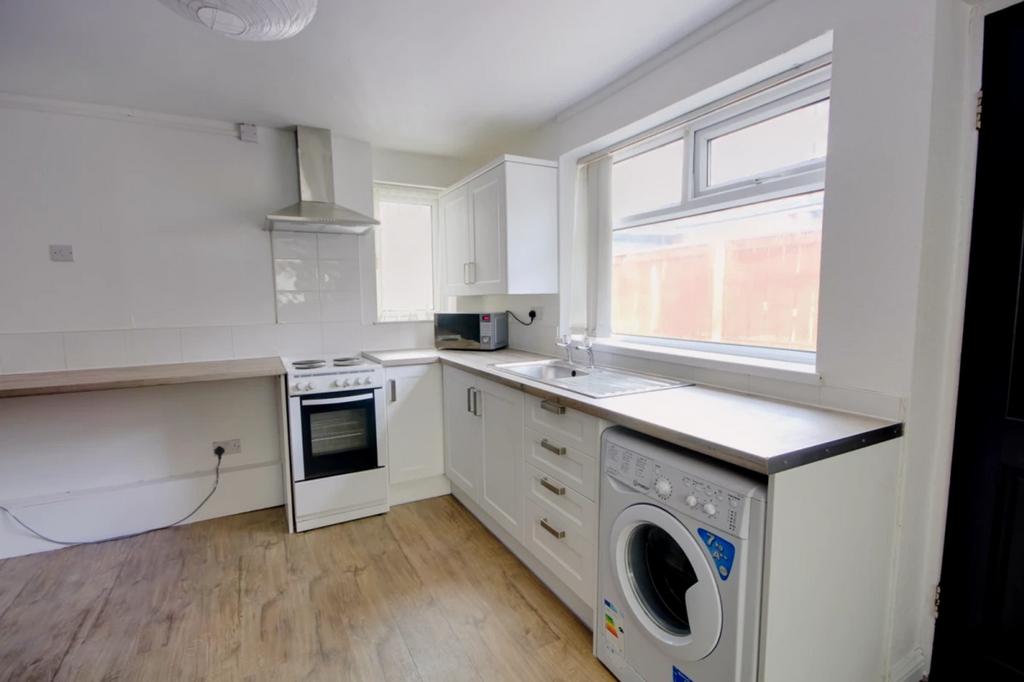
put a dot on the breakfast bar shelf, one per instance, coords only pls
(109, 378)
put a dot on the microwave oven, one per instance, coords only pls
(471, 331)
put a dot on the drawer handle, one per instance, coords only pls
(552, 407)
(551, 447)
(551, 529)
(556, 489)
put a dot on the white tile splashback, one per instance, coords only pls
(49, 351)
(206, 343)
(84, 350)
(31, 352)
(316, 278)
(301, 245)
(293, 274)
(298, 306)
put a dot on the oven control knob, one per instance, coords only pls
(296, 387)
(307, 386)
(709, 509)
(346, 382)
(691, 501)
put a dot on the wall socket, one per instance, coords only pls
(540, 312)
(61, 253)
(231, 447)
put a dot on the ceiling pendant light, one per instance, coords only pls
(248, 19)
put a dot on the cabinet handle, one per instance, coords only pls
(472, 271)
(465, 273)
(551, 529)
(476, 402)
(556, 489)
(469, 399)
(551, 447)
(394, 389)
(552, 407)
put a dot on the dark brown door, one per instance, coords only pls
(980, 630)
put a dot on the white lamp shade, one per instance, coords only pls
(248, 19)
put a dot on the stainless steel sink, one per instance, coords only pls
(596, 382)
(544, 370)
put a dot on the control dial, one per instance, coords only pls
(691, 501)
(663, 488)
(710, 509)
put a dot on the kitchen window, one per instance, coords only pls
(715, 226)
(404, 247)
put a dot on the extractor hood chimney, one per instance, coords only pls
(316, 210)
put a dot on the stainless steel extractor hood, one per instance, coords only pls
(316, 210)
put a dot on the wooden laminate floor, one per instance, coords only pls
(421, 593)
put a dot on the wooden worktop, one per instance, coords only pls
(757, 433)
(105, 379)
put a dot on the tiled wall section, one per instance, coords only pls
(43, 351)
(316, 277)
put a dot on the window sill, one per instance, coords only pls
(797, 372)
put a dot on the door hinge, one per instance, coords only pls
(977, 112)
(938, 599)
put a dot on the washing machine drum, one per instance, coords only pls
(667, 580)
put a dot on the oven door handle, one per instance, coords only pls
(338, 401)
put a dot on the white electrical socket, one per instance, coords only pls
(231, 447)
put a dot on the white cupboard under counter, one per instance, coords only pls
(415, 423)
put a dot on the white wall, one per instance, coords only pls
(893, 197)
(172, 264)
(424, 170)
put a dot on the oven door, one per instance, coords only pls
(337, 434)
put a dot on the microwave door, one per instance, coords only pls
(339, 435)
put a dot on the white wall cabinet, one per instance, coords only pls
(415, 432)
(499, 229)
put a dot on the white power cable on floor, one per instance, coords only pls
(216, 482)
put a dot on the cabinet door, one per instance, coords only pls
(487, 230)
(501, 491)
(456, 239)
(463, 431)
(415, 422)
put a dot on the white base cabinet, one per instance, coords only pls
(415, 432)
(530, 468)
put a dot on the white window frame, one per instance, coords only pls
(795, 93)
(405, 194)
(803, 89)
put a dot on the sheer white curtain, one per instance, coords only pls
(591, 254)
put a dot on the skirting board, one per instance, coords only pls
(910, 668)
(561, 590)
(410, 491)
(93, 515)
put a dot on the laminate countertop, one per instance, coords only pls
(81, 380)
(760, 434)
(399, 358)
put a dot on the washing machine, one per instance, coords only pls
(681, 552)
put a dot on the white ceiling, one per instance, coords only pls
(452, 77)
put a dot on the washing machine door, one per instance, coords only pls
(667, 580)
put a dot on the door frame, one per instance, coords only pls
(945, 415)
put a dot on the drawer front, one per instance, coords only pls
(555, 458)
(563, 544)
(550, 491)
(570, 427)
